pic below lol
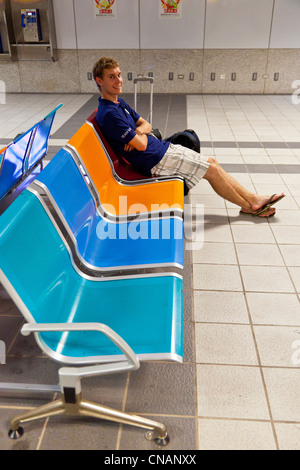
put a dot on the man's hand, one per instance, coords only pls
(140, 141)
(143, 127)
(128, 147)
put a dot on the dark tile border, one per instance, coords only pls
(257, 168)
(264, 145)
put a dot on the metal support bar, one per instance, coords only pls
(36, 388)
(28, 150)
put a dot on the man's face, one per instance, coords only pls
(111, 83)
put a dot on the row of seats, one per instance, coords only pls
(100, 282)
(22, 159)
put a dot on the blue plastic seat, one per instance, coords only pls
(103, 326)
(39, 146)
(12, 164)
(53, 291)
(103, 244)
(21, 156)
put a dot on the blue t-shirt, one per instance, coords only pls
(118, 121)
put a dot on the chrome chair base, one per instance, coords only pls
(157, 431)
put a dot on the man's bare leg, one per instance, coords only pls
(228, 188)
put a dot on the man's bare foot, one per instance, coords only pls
(268, 213)
(267, 200)
(262, 206)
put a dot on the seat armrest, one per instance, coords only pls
(133, 362)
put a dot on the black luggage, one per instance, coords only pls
(187, 138)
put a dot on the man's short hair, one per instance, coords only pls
(103, 64)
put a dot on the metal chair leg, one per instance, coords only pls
(50, 409)
(157, 430)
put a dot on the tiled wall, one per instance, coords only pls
(69, 73)
(220, 37)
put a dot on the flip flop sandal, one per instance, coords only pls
(265, 207)
(269, 204)
(259, 214)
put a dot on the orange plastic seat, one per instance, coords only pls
(119, 198)
(2, 151)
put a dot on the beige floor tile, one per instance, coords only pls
(294, 189)
(266, 279)
(216, 277)
(217, 233)
(271, 178)
(288, 435)
(209, 200)
(203, 187)
(215, 216)
(215, 253)
(285, 234)
(260, 233)
(285, 217)
(277, 345)
(224, 344)
(235, 435)
(266, 188)
(222, 307)
(259, 254)
(274, 309)
(283, 387)
(291, 254)
(231, 392)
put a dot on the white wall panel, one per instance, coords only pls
(238, 24)
(107, 33)
(286, 25)
(64, 24)
(172, 33)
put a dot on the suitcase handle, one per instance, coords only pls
(144, 79)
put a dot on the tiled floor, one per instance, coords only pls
(238, 387)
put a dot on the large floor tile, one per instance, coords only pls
(285, 234)
(224, 434)
(216, 277)
(231, 392)
(266, 279)
(277, 345)
(260, 233)
(291, 254)
(224, 344)
(259, 254)
(283, 391)
(288, 435)
(220, 307)
(274, 308)
(215, 253)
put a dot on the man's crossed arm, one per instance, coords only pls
(140, 141)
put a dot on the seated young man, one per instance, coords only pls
(130, 134)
